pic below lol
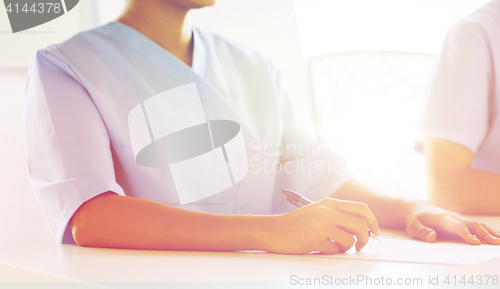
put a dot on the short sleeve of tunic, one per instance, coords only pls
(457, 105)
(67, 143)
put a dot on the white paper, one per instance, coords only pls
(421, 252)
(413, 251)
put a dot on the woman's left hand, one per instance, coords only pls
(425, 220)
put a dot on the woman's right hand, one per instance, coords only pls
(328, 226)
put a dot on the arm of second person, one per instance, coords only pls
(452, 182)
(421, 219)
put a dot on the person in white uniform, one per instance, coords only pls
(147, 133)
(461, 123)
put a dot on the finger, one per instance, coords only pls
(451, 225)
(418, 230)
(328, 247)
(492, 231)
(479, 230)
(359, 210)
(356, 226)
(469, 223)
(344, 240)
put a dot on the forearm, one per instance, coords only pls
(114, 221)
(452, 182)
(420, 219)
(391, 213)
(467, 191)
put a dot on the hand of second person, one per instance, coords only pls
(328, 226)
(425, 220)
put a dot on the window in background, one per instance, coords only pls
(328, 26)
(370, 62)
(370, 105)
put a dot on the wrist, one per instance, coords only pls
(260, 233)
(410, 207)
(404, 210)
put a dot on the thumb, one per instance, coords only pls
(418, 230)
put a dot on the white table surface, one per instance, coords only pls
(96, 267)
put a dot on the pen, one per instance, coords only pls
(300, 201)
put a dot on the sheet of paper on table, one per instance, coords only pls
(412, 251)
(422, 252)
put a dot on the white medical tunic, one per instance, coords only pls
(110, 110)
(464, 97)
